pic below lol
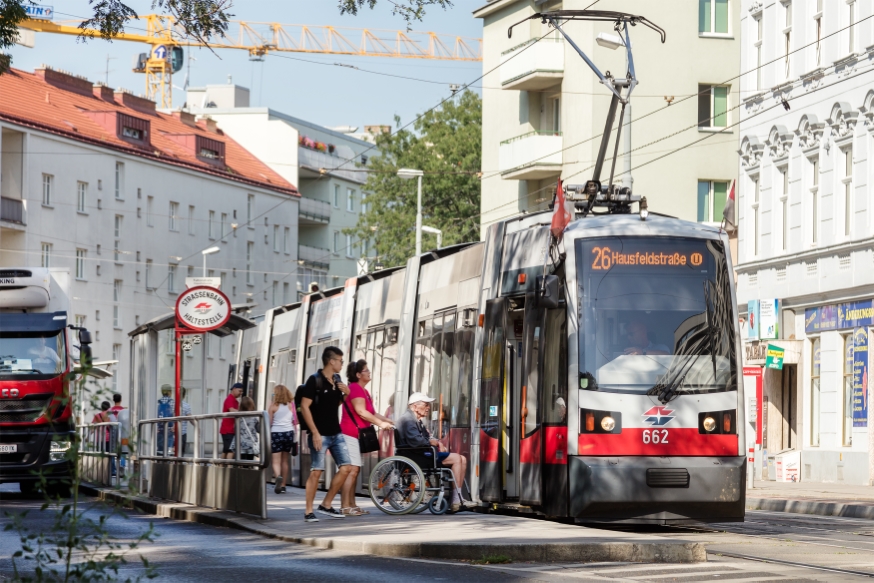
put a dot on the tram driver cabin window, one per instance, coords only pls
(713, 17)
(712, 107)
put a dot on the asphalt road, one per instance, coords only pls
(194, 552)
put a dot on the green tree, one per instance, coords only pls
(446, 145)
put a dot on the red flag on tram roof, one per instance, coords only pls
(728, 211)
(560, 215)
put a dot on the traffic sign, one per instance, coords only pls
(202, 309)
(159, 52)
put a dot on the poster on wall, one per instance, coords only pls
(860, 377)
(768, 312)
(753, 320)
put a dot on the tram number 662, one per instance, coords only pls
(655, 435)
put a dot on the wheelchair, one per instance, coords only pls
(412, 481)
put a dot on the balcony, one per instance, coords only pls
(314, 256)
(314, 164)
(314, 212)
(12, 211)
(533, 66)
(531, 156)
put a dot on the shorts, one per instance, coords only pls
(227, 442)
(353, 449)
(441, 455)
(335, 443)
(281, 441)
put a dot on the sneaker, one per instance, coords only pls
(332, 512)
(277, 488)
(283, 490)
(310, 518)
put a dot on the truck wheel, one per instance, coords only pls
(59, 490)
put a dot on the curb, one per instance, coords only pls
(818, 507)
(632, 552)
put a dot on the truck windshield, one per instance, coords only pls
(655, 312)
(31, 354)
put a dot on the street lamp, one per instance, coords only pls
(206, 252)
(406, 174)
(434, 231)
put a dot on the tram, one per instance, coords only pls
(595, 377)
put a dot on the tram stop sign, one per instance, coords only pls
(774, 358)
(202, 309)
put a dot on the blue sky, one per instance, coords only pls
(320, 92)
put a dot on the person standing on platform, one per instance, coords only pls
(281, 435)
(231, 405)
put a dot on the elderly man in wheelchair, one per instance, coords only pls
(421, 472)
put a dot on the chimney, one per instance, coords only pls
(128, 99)
(64, 80)
(208, 124)
(102, 92)
(185, 117)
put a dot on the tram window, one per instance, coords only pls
(447, 353)
(655, 311)
(554, 380)
(464, 374)
(492, 370)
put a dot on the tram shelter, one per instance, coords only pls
(153, 365)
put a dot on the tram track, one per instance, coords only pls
(791, 563)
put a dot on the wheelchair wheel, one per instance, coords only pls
(438, 505)
(397, 486)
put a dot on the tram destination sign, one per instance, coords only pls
(203, 308)
(606, 257)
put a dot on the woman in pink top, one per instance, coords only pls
(360, 406)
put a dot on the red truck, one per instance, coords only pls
(37, 369)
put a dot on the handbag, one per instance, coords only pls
(367, 440)
(255, 439)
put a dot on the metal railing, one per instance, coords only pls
(99, 453)
(207, 473)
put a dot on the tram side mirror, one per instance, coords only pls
(547, 291)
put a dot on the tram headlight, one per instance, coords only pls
(709, 424)
(717, 422)
(607, 423)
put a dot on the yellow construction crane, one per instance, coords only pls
(166, 38)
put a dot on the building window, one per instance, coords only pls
(171, 278)
(250, 251)
(191, 230)
(711, 200)
(116, 251)
(211, 224)
(756, 217)
(116, 355)
(285, 292)
(814, 393)
(81, 195)
(276, 240)
(150, 211)
(46, 255)
(286, 240)
(80, 320)
(817, 25)
(787, 39)
(336, 242)
(48, 182)
(223, 224)
(174, 216)
(149, 274)
(758, 47)
(274, 299)
(80, 264)
(363, 202)
(119, 180)
(712, 106)
(116, 290)
(350, 200)
(713, 16)
(784, 210)
(848, 190)
(847, 433)
(336, 200)
(250, 210)
(814, 203)
(350, 246)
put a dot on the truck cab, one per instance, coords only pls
(36, 368)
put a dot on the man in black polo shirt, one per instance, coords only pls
(320, 401)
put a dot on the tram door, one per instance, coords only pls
(491, 412)
(530, 422)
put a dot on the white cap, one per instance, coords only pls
(418, 397)
(560, 402)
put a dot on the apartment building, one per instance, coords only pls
(543, 108)
(96, 181)
(323, 163)
(805, 229)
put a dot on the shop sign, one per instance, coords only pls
(769, 311)
(753, 320)
(774, 358)
(860, 377)
(839, 316)
(756, 351)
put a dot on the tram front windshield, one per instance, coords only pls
(656, 312)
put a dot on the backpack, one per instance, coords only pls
(298, 397)
(165, 407)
